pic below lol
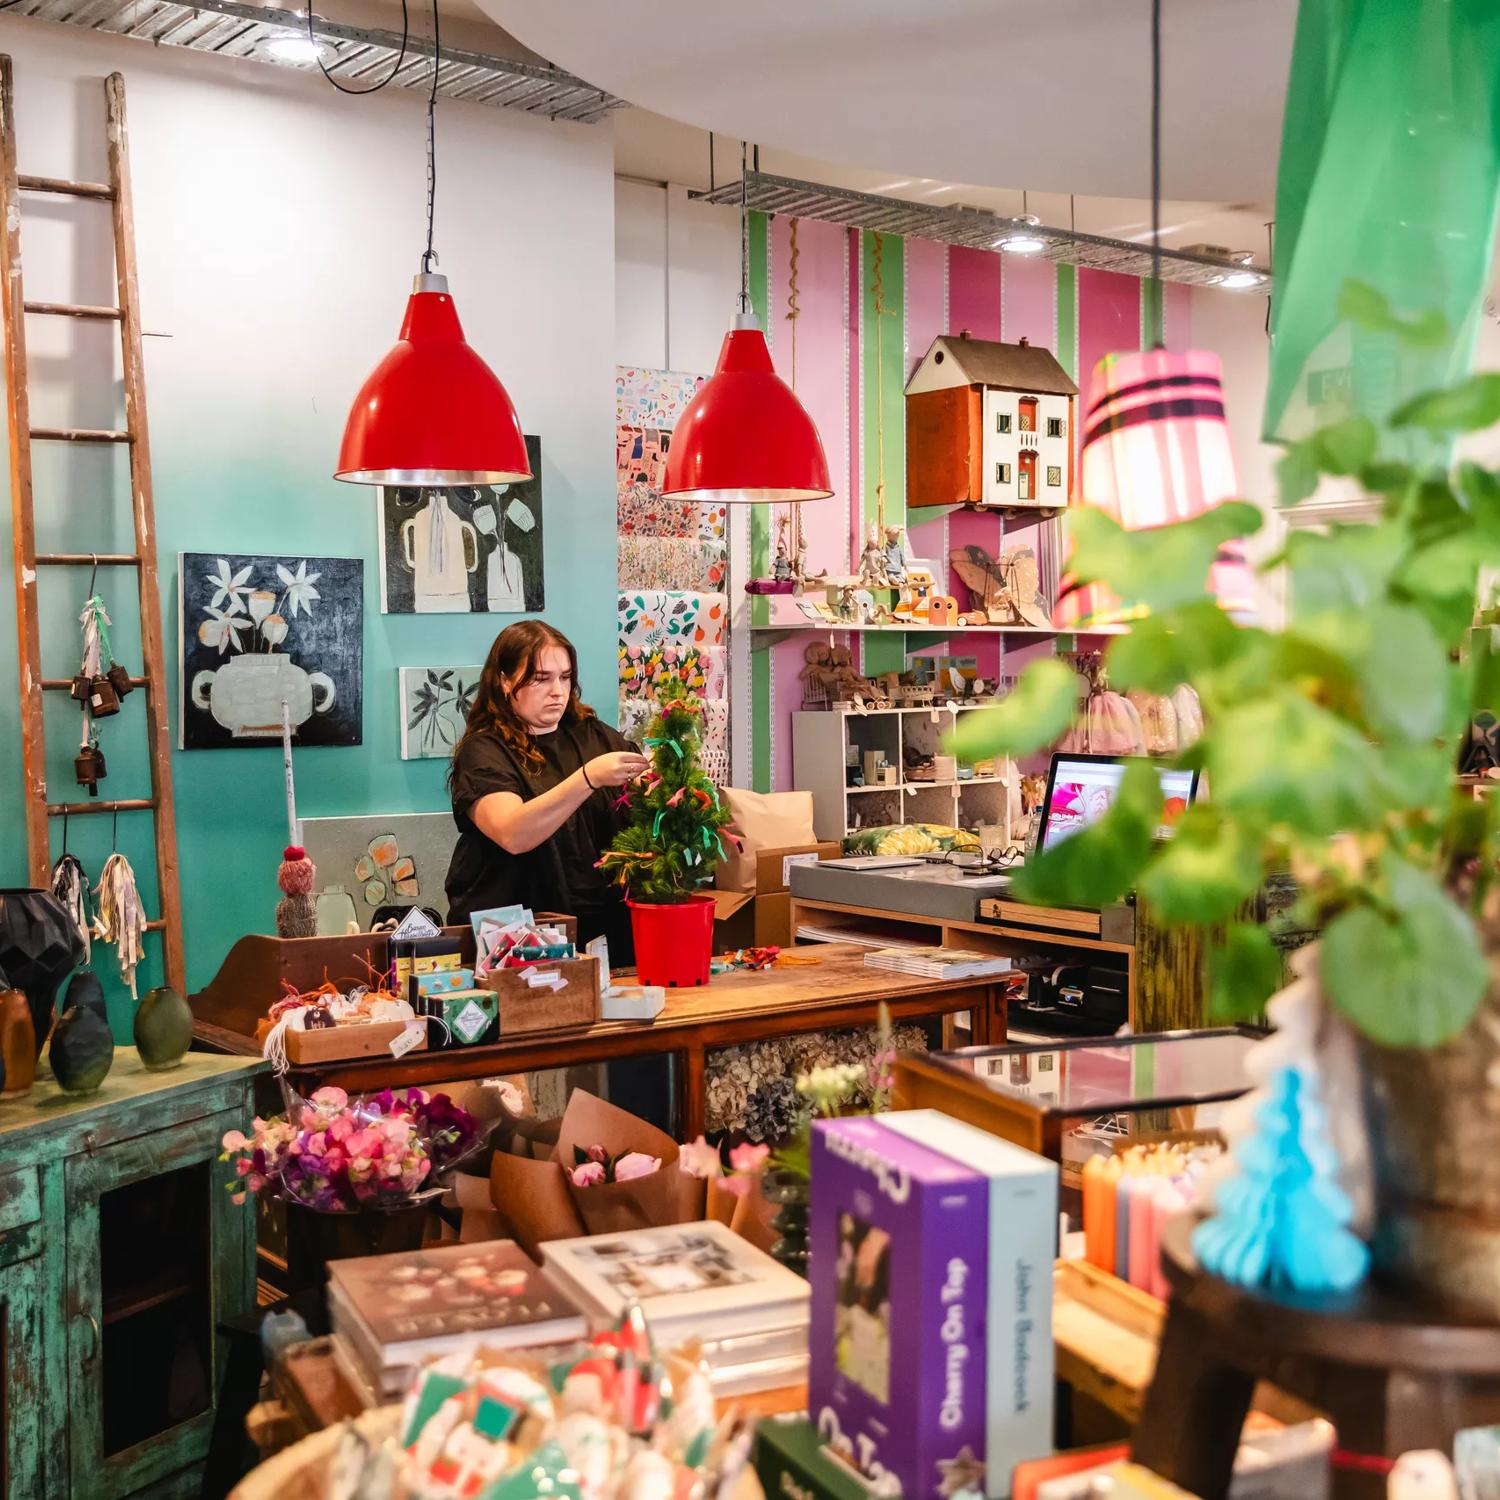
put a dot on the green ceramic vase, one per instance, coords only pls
(163, 1029)
(82, 1049)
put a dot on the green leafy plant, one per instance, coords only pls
(672, 843)
(1330, 746)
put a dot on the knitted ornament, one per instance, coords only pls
(296, 912)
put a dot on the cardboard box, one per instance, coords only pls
(791, 1461)
(762, 918)
(523, 1008)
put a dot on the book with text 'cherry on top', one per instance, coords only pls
(397, 1310)
(938, 963)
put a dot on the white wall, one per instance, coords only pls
(677, 268)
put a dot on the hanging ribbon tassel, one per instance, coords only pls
(121, 920)
(70, 885)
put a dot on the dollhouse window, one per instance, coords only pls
(1054, 475)
(1002, 473)
(1054, 426)
(1026, 407)
(1002, 421)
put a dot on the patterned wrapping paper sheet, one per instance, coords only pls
(647, 562)
(646, 670)
(664, 617)
(640, 510)
(635, 712)
(653, 398)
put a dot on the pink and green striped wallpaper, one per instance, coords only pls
(867, 308)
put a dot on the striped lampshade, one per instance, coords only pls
(1155, 450)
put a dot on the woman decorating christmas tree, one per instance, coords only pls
(535, 781)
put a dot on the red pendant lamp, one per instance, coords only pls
(745, 437)
(1156, 443)
(432, 414)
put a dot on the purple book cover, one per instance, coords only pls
(899, 1241)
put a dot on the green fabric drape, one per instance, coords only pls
(1390, 162)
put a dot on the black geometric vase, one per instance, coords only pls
(39, 948)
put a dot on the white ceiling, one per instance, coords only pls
(920, 99)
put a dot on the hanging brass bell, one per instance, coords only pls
(103, 700)
(88, 768)
(119, 680)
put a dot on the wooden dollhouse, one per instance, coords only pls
(990, 424)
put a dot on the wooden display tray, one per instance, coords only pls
(336, 1043)
(523, 1009)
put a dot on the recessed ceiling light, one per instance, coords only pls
(1021, 238)
(1239, 281)
(293, 47)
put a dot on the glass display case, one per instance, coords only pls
(1071, 1100)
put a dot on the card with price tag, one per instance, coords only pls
(415, 1033)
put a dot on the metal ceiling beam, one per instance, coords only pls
(971, 227)
(232, 29)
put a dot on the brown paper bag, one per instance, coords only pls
(540, 1203)
(761, 820)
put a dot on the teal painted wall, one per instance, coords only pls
(278, 226)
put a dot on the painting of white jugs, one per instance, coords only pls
(259, 632)
(472, 549)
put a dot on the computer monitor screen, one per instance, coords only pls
(1080, 789)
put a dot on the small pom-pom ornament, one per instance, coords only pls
(296, 912)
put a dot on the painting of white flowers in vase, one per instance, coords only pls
(266, 639)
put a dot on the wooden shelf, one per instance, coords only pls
(788, 628)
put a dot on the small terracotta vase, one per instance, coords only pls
(17, 1045)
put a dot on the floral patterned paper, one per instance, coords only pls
(660, 617)
(635, 712)
(646, 670)
(647, 562)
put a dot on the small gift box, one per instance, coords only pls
(444, 981)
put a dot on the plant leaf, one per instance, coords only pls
(1404, 674)
(1161, 567)
(1369, 308)
(1413, 978)
(1208, 870)
(1470, 405)
(1175, 646)
(1037, 712)
(1297, 472)
(1098, 865)
(1345, 447)
(1278, 755)
(1243, 973)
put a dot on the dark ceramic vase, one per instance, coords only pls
(789, 1191)
(163, 1029)
(39, 948)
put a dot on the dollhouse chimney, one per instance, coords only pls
(964, 333)
(1025, 342)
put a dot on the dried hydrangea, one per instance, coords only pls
(771, 1112)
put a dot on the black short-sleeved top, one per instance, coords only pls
(559, 874)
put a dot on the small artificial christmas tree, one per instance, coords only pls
(673, 842)
(1281, 1221)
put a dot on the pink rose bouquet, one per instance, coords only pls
(337, 1155)
(594, 1167)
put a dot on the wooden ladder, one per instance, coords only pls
(13, 311)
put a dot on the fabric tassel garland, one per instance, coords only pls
(120, 919)
(296, 912)
(70, 885)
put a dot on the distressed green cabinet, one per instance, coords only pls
(120, 1251)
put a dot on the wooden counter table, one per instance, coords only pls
(835, 989)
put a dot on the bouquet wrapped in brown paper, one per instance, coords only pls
(541, 1200)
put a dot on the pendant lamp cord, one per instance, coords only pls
(744, 229)
(1156, 156)
(430, 255)
(374, 87)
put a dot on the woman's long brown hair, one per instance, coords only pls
(514, 657)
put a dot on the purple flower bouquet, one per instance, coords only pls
(336, 1155)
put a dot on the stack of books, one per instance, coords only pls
(390, 1314)
(931, 1339)
(938, 963)
(700, 1283)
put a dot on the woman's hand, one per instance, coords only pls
(616, 768)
